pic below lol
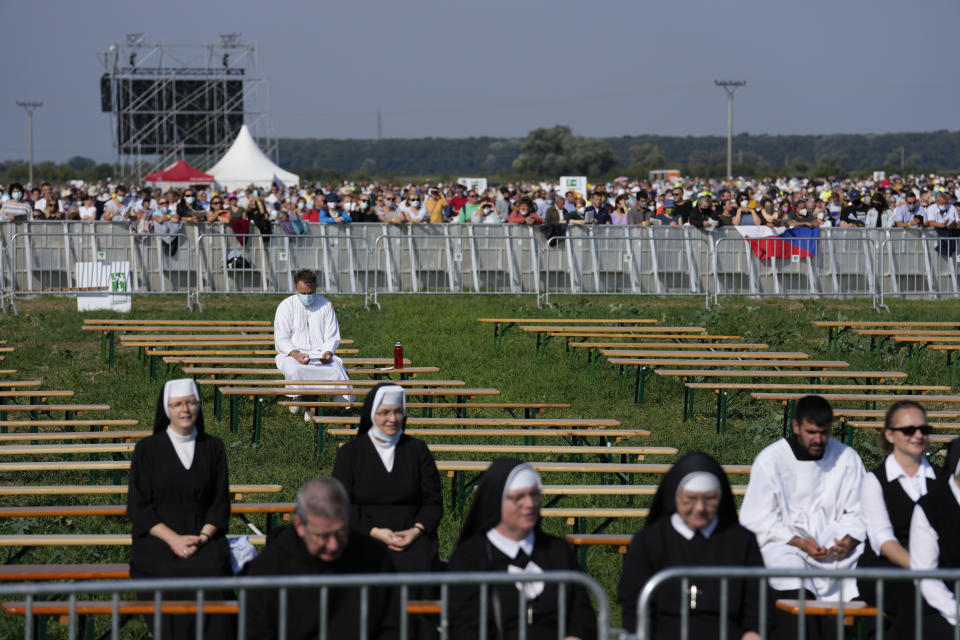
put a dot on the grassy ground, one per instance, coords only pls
(440, 330)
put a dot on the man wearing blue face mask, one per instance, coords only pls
(306, 335)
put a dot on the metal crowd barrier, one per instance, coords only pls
(915, 264)
(831, 265)
(250, 587)
(482, 259)
(688, 575)
(375, 259)
(74, 263)
(627, 260)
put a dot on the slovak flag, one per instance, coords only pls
(781, 242)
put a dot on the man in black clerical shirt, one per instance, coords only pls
(320, 542)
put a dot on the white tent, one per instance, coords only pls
(244, 164)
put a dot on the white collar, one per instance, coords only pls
(386, 450)
(176, 438)
(895, 471)
(509, 547)
(681, 527)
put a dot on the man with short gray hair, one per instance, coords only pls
(319, 542)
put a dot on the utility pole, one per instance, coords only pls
(730, 86)
(901, 157)
(30, 107)
(379, 125)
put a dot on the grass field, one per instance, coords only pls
(441, 331)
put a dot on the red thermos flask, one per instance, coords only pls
(398, 356)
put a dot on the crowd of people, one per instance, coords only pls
(898, 201)
(809, 504)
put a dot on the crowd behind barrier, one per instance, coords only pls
(373, 259)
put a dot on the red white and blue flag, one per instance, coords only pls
(781, 242)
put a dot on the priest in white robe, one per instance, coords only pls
(803, 504)
(306, 335)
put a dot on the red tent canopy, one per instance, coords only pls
(180, 172)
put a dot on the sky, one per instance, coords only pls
(451, 68)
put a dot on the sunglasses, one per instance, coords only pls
(925, 429)
(161, 202)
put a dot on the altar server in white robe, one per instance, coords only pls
(803, 504)
(306, 335)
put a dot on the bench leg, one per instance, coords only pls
(787, 413)
(319, 433)
(234, 411)
(111, 350)
(723, 411)
(257, 418)
(639, 384)
(217, 402)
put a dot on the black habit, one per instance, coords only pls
(161, 490)
(395, 499)
(286, 555)
(659, 546)
(475, 552)
(550, 554)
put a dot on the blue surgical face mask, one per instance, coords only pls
(189, 199)
(306, 299)
(17, 195)
(255, 193)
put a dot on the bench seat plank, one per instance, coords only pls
(743, 355)
(111, 489)
(507, 433)
(667, 362)
(789, 386)
(767, 373)
(486, 422)
(84, 540)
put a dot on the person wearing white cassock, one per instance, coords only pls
(803, 504)
(306, 336)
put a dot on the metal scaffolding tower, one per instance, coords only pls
(172, 102)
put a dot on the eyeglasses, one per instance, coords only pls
(216, 202)
(925, 429)
(161, 202)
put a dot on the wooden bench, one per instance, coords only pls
(69, 410)
(219, 361)
(19, 384)
(645, 365)
(835, 328)
(84, 540)
(726, 391)
(344, 388)
(851, 610)
(126, 322)
(510, 322)
(74, 435)
(459, 408)
(788, 399)
(545, 332)
(243, 509)
(456, 471)
(236, 490)
(528, 428)
(529, 435)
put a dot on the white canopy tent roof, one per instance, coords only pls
(244, 164)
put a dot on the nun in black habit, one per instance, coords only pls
(693, 523)
(392, 481)
(178, 504)
(502, 533)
